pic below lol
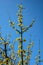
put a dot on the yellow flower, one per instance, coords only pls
(19, 46)
(1, 38)
(5, 42)
(12, 24)
(20, 17)
(28, 57)
(5, 60)
(14, 58)
(24, 61)
(18, 38)
(20, 20)
(3, 54)
(1, 62)
(19, 51)
(12, 55)
(24, 51)
(12, 46)
(19, 64)
(20, 24)
(24, 40)
(21, 6)
(29, 46)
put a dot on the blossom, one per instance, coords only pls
(1, 38)
(11, 46)
(19, 46)
(24, 40)
(19, 51)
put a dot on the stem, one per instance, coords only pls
(6, 53)
(21, 48)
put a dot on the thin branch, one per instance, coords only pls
(29, 26)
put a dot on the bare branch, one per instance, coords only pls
(29, 26)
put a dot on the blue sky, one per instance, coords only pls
(33, 9)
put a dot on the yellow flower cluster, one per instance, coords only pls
(14, 58)
(12, 24)
(24, 40)
(7, 42)
(28, 57)
(29, 46)
(1, 62)
(1, 38)
(19, 51)
(19, 64)
(19, 46)
(3, 54)
(12, 55)
(18, 38)
(20, 6)
(11, 46)
(37, 60)
(20, 24)
(20, 17)
(6, 59)
(24, 61)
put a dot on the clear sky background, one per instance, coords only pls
(33, 9)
